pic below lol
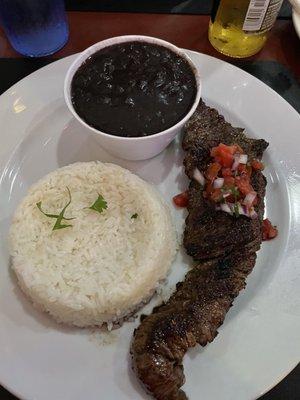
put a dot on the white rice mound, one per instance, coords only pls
(107, 264)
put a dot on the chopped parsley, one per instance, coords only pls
(236, 209)
(59, 217)
(134, 216)
(99, 205)
(235, 191)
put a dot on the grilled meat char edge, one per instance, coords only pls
(225, 248)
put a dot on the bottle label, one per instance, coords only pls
(261, 15)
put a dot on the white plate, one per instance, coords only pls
(259, 342)
(296, 21)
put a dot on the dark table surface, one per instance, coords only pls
(278, 65)
(153, 6)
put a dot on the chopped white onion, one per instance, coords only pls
(243, 159)
(239, 159)
(235, 162)
(226, 208)
(199, 177)
(248, 213)
(226, 194)
(248, 200)
(218, 183)
(253, 214)
(242, 210)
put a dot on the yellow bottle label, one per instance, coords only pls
(261, 15)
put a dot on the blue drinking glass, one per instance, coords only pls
(35, 28)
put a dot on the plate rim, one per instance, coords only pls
(258, 81)
(296, 21)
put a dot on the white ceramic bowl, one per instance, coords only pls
(131, 148)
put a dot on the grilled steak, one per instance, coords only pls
(210, 233)
(192, 315)
(225, 247)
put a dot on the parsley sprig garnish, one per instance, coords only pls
(236, 194)
(59, 217)
(99, 205)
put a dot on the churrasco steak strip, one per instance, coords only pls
(210, 233)
(226, 247)
(192, 315)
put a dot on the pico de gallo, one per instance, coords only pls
(227, 184)
(268, 230)
(226, 181)
(181, 199)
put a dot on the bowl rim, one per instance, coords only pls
(85, 54)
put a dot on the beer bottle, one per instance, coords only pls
(239, 28)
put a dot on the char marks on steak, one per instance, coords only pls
(210, 233)
(192, 315)
(225, 247)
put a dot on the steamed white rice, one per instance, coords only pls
(105, 265)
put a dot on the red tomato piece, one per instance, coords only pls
(229, 181)
(235, 148)
(243, 184)
(242, 169)
(269, 231)
(215, 151)
(212, 171)
(216, 195)
(182, 199)
(257, 165)
(229, 149)
(226, 172)
(226, 159)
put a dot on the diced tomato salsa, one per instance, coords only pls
(181, 199)
(227, 184)
(257, 165)
(232, 165)
(228, 180)
(242, 182)
(269, 231)
(212, 171)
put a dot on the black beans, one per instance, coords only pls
(133, 89)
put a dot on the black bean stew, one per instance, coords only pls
(133, 89)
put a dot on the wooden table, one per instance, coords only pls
(187, 31)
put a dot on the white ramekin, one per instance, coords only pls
(131, 148)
